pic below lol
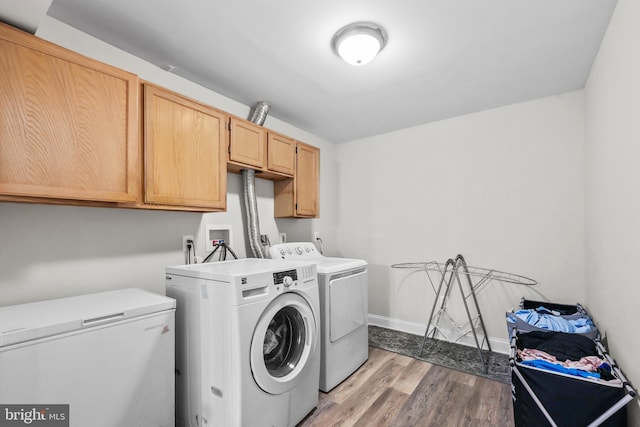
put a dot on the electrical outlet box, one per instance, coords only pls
(185, 239)
(283, 237)
(316, 236)
(216, 232)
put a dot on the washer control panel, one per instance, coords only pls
(285, 277)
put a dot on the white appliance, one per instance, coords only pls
(109, 356)
(247, 342)
(343, 285)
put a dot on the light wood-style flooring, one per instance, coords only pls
(395, 390)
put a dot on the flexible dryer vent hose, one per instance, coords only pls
(259, 114)
(251, 205)
(258, 117)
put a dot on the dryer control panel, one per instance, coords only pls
(295, 250)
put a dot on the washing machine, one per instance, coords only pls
(343, 285)
(247, 342)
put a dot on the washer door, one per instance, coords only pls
(283, 341)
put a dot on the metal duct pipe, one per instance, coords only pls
(251, 205)
(259, 114)
(258, 117)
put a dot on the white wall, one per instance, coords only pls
(54, 251)
(612, 197)
(503, 187)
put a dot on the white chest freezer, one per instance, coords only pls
(109, 356)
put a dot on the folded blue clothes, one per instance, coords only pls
(549, 366)
(556, 323)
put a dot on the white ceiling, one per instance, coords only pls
(443, 58)
(24, 14)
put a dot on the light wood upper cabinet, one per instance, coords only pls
(269, 153)
(307, 180)
(76, 131)
(299, 196)
(68, 124)
(185, 151)
(247, 143)
(281, 153)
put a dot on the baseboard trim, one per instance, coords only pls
(497, 344)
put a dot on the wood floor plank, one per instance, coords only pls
(400, 359)
(408, 380)
(464, 378)
(352, 408)
(449, 411)
(391, 391)
(493, 405)
(504, 415)
(377, 357)
(446, 409)
(384, 409)
(325, 406)
(481, 404)
(423, 398)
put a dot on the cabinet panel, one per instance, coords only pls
(284, 199)
(307, 180)
(299, 196)
(247, 143)
(281, 153)
(185, 158)
(68, 124)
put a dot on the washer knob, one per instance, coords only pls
(282, 252)
(307, 250)
(287, 281)
(299, 250)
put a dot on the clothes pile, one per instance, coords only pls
(563, 352)
(561, 374)
(544, 318)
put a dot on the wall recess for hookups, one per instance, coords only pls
(217, 232)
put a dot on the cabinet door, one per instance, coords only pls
(247, 143)
(68, 124)
(281, 153)
(185, 159)
(307, 180)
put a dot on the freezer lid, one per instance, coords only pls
(31, 321)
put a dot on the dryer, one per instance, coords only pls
(247, 342)
(343, 286)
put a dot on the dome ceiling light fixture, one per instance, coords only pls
(358, 43)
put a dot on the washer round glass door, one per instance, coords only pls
(284, 339)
